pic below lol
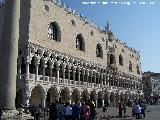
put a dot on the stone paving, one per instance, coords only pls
(152, 113)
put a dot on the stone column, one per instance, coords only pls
(105, 82)
(68, 74)
(109, 79)
(101, 79)
(36, 71)
(122, 82)
(51, 67)
(44, 67)
(83, 76)
(87, 75)
(78, 76)
(63, 70)
(96, 103)
(57, 74)
(98, 78)
(74, 73)
(9, 54)
(36, 64)
(94, 74)
(129, 87)
(109, 98)
(118, 82)
(91, 79)
(102, 102)
(44, 100)
(27, 69)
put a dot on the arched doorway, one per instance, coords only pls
(75, 96)
(100, 99)
(93, 96)
(19, 98)
(122, 96)
(85, 96)
(126, 97)
(117, 96)
(65, 95)
(37, 96)
(106, 98)
(52, 95)
(112, 99)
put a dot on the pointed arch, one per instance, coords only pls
(130, 66)
(111, 59)
(120, 60)
(54, 31)
(85, 95)
(99, 50)
(138, 69)
(80, 44)
(52, 95)
(37, 96)
(75, 95)
(65, 95)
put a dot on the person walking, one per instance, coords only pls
(61, 110)
(76, 111)
(143, 109)
(92, 111)
(53, 111)
(120, 107)
(137, 111)
(133, 108)
(85, 111)
(124, 110)
(68, 112)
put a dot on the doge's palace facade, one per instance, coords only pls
(64, 56)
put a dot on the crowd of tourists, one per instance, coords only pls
(60, 110)
(138, 109)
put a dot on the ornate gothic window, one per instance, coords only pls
(138, 71)
(73, 22)
(99, 51)
(130, 66)
(111, 59)
(80, 45)
(54, 32)
(120, 60)
(92, 33)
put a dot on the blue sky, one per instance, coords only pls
(137, 25)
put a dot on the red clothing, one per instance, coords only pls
(85, 112)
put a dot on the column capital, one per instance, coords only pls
(37, 61)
